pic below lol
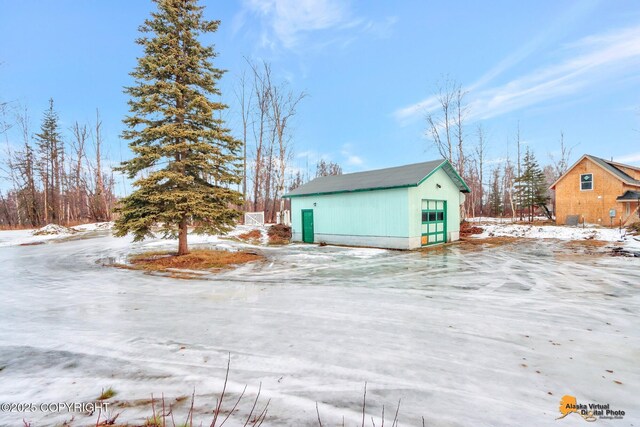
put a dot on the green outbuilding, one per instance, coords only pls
(404, 207)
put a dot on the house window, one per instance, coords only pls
(586, 181)
(628, 210)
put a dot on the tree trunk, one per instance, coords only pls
(183, 248)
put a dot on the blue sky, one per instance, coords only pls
(370, 70)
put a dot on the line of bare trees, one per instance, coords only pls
(53, 177)
(493, 184)
(267, 108)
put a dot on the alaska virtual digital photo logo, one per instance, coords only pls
(589, 412)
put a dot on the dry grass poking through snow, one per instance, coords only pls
(279, 234)
(199, 259)
(490, 241)
(252, 236)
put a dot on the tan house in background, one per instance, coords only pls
(598, 191)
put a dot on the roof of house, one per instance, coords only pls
(609, 166)
(396, 177)
(629, 195)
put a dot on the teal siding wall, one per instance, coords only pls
(381, 213)
(429, 190)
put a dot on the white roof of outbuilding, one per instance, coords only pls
(380, 179)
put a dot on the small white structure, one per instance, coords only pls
(254, 218)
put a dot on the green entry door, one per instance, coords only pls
(434, 222)
(307, 225)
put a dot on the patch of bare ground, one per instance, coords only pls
(279, 234)
(190, 266)
(583, 247)
(252, 236)
(590, 243)
(490, 241)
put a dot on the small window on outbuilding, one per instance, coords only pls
(432, 216)
(440, 216)
(586, 181)
(424, 217)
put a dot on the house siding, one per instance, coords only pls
(592, 206)
(364, 218)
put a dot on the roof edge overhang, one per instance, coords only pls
(453, 174)
(323, 193)
(446, 165)
(633, 196)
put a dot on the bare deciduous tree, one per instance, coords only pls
(49, 185)
(324, 168)
(269, 111)
(440, 123)
(561, 164)
(244, 97)
(480, 150)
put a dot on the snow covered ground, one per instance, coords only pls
(50, 232)
(552, 232)
(618, 237)
(463, 334)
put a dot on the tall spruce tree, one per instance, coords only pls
(190, 158)
(530, 186)
(50, 149)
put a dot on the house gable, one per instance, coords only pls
(593, 190)
(624, 173)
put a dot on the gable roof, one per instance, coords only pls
(380, 179)
(609, 166)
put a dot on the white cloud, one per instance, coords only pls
(350, 158)
(288, 19)
(382, 29)
(354, 160)
(414, 110)
(289, 22)
(628, 158)
(590, 61)
(560, 25)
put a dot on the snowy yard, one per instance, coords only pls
(465, 335)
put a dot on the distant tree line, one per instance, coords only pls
(514, 187)
(54, 176)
